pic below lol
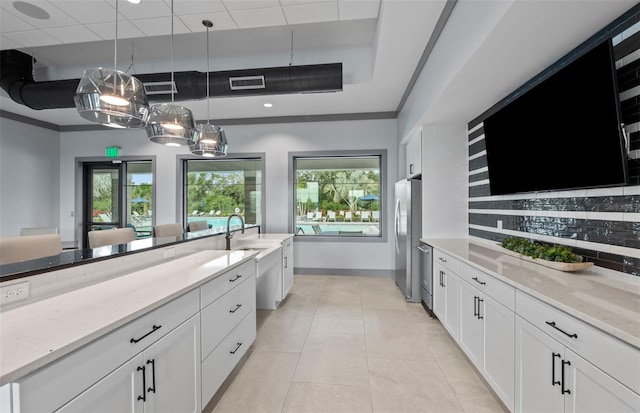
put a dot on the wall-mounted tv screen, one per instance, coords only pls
(563, 133)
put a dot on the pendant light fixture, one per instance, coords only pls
(111, 97)
(170, 124)
(211, 140)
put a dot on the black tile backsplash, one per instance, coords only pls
(572, 225)
(476, 133)
(477, 163)
(622, 203)
(479, 177)
(478, 191)
(477, 147)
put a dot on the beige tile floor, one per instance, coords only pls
(352, 344)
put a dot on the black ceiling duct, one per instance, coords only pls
(17, 80)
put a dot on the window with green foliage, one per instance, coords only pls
(338, 195)
(216, 188)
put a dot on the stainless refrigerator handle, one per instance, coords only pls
(397, 224)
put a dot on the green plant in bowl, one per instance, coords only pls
(557, 253)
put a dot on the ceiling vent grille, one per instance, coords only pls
(160, 88)
(247, 82)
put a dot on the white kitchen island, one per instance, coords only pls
(274, 274)
(138, 339)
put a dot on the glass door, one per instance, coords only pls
(118, 195)
(102, 197)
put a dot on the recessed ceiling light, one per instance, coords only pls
(31, 10)
(268, 105)
(134, 1)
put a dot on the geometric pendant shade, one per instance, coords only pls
(210, 140)
(170, 124)
(111, 97)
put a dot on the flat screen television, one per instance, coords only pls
(563, 133)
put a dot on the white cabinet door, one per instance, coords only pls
(120, 391)
(452, 300)
(173, 370)
(287, 271)
(538, 370)
(498, 348)
(445, 298)
(414, 155)
(471, 327)
(438, 292)
(594, 391)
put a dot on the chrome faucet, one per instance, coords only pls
(229, 233)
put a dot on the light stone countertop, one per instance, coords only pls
(599, 297)
(267, 237)
(38, 333)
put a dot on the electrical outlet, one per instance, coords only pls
(169, 252)
(14, 292)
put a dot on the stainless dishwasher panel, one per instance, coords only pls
(426, 275)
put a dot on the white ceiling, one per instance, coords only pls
(486, 50)
(361, 34)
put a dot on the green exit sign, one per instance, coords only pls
(111, 151)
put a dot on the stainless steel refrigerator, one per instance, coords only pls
(408, 230)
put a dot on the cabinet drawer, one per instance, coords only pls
(224, 314)
(445, 260)
(224, 358)
(217, 287)
(50, 387)
(615, 357)
(496, 289)
(287, 245)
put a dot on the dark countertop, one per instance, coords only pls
(70, 258)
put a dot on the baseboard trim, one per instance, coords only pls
(343, 271)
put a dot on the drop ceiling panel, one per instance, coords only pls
(358, 9)
(145, 10)
(72, 34)
(220, 20)
(249, 4)
(11, 23)
(272, 16)
(9, 44)
(106, 31)
(88, 11)
(160, 26)
(294, 2)
(32, 38)
(311, 13)
(181, 7)
(57, 18)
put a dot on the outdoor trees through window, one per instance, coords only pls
(338, 195)
(217, 188)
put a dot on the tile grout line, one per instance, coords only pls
(366, 346)
(286, 397)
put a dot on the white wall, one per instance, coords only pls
(276, 141)
(29, 171)
(444, 181)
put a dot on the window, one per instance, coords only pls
(338, 194)
(216, 188)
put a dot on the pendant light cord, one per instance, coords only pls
(115, 42)
(208, 108)
(172, 81)
(291, 54)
